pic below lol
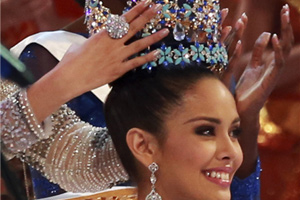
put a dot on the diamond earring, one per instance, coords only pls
(153, 167)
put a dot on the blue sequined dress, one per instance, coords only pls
(248, 188)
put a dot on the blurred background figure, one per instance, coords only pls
(279, 139)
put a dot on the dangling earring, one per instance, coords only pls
(153, 167)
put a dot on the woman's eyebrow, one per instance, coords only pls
(210, 119)
(236, 120)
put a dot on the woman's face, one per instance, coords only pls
(201, 152)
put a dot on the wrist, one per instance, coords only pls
(253, 118)
(250, 122)
(249, 115)
(49, 93)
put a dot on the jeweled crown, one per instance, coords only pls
(195, 25)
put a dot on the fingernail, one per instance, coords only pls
(244, 15)
(226, 10)
(287, 13)
(265, 36)
(157, 7)
(157, 54)
(237, 25)
(275, 37)
(146, 2)
(286, 6)
(238, 45)
(164, 32)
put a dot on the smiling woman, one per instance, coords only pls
(186, 122)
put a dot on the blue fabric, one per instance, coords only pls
(248, 188)
(42, 187)
(89, 108)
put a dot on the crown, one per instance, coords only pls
(195, 25)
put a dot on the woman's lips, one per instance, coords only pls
(219, 176)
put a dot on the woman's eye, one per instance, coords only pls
(236, 132)
(205, 131)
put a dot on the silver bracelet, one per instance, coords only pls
(29, 116)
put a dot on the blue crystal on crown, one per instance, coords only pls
(195, 25)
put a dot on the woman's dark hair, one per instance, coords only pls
(143, 100)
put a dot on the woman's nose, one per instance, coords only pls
(228, 148)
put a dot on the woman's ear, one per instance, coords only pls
(142, 144)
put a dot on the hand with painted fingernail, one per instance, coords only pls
(98, 61)
(233, 42)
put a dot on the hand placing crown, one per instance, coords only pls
(195, 25)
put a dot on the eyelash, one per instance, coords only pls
(205, 131)
(236, 132)
(210, 131)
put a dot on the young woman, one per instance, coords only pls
(182, 119)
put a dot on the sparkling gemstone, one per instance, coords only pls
(153, 167)
(153, 196)
(178, 32)
(180, 47)
(158, 26)
(162, 22)
(172, 10)
(94, 24)
(116, 26)
(149, 68)
(23, 140)
(153, 179)
(129, 3)
(211, 15)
